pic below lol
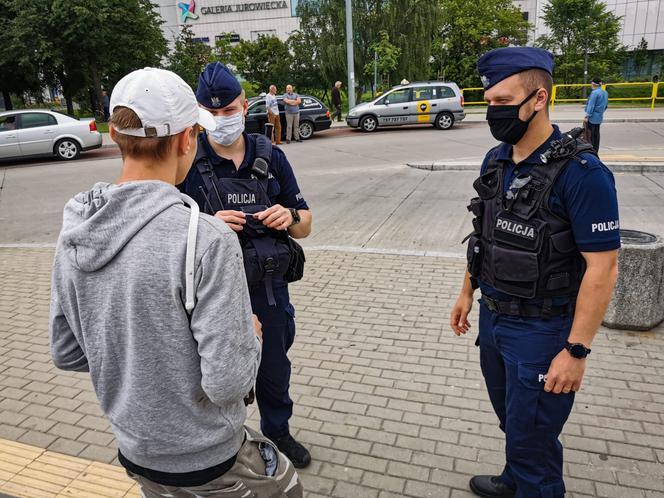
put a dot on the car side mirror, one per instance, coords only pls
(387, 102)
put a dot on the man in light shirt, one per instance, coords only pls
(272, 106)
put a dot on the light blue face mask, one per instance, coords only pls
(229, 129)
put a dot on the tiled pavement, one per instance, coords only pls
(389, 400)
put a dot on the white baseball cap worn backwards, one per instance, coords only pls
(163, 102)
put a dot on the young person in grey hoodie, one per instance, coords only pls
(150, 297)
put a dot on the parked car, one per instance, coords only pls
(28, 133)
(432, 102)
(314, 116)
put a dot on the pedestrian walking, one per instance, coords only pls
(250, 185)
(272, 106)
(544, 255)
(597, 103)
(292, 103)
(150, 298)
(105, 103)
(336, 101)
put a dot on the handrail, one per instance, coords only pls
(478, 102)
(653, 98)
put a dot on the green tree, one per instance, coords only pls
(581, 30)
(223, 49)
(386, 58)
(263, 62)
(466, 33)
(306, 70)
(410, 24)
(414, 26)
(640, 57)
(20, 47)
(321, 37)
(77, 44)
(189, 57)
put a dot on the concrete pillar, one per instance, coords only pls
(638, 299)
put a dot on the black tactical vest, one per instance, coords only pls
(519, 246)
(267, 253)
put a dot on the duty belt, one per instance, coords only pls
(519, 308)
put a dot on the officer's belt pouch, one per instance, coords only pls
(271, 258)
(516, 232)
(476, 206)
(563, 242)
(516, 272)
(474, 256)
(296, 261)
(487, 185)
(477, 225)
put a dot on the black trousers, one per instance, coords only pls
(337, 112)
(594, 135)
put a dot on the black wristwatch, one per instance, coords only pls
(295, 215)
(577, 350)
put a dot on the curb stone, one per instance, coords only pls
(617, 167)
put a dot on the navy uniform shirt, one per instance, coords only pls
(282, 185)
(583, 194)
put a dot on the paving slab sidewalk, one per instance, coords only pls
(390, 402)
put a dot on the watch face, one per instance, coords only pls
(578, 351)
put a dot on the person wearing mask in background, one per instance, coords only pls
(292, 103)
(598, 101)
(272, 106)
(336, 101)
(249, 184)
(544, 253)
(150, 298)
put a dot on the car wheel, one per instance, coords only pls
(368, 123)
(444, 121)
(67, 149)
(306, 130)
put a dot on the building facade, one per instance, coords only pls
(241, 19)
(640, 19)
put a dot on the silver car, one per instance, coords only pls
(432, 102)
(32, 132)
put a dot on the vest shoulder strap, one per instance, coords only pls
(263, 147)
(262, 160)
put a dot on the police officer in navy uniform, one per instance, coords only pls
(544, 254)
(249, 184)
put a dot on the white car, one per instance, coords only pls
(431, 102)
(32, 132)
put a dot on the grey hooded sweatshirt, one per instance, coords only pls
(171, 384)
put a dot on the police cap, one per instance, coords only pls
(217, 87)
(502, 63)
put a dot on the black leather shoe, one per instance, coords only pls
(295, 452)
(490, 487)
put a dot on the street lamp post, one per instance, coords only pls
(349, 54)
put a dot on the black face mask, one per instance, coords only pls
(504, 121)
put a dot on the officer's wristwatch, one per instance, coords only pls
(577, 350)
(295, 215)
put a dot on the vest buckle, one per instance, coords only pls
(270, 265)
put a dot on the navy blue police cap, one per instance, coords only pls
(217, 87)
(502, 63)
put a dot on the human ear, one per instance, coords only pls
(541, 99)
(185, 140)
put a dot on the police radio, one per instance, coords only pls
(564, 147)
